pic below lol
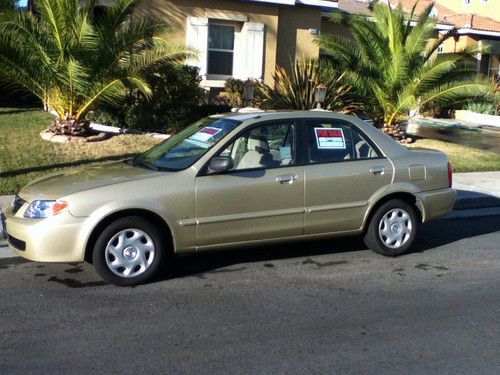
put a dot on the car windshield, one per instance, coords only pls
(182, 150)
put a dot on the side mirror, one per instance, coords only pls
(220, 164)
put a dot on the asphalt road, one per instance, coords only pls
(314, 307)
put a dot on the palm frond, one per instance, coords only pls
(74, 62)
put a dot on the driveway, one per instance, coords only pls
(313, 307)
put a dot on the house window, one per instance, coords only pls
(440, 49)
(484, 1)
(220, 50)
(467, 2)
(494, 66)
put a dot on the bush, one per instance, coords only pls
(174, 102)
(233, 92)
(296, 90)
(483, 108)
(177, 101)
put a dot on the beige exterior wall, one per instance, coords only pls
(294, 38)
(490, 8)
(452, 45)
(176, 12)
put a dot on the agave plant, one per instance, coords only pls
(73, 61)
(296, 90)
(394, 66)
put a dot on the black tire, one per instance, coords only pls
(135, 222)
(372, 238)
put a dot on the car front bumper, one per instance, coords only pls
(54, 239)
(436, 203)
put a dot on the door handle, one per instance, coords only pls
(287, 178)
(378, 171)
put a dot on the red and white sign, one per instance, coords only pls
(330, 138)
(203, 135)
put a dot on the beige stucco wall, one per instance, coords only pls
(175, 12)
(294, 39)
(452, 45)
(489, 9)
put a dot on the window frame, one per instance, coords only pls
(219, 76)
(305, 137)
(298, 146)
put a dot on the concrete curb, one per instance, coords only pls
(467, 200)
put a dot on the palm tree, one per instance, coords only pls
(6, 5)
(393, 64)
(74, 61)
(296, 90)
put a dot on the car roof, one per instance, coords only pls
(272, 115)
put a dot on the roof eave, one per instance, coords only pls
(470, 31)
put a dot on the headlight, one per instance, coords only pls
(41, 209)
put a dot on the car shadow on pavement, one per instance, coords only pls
(431, 236)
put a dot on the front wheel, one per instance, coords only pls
(129, 251)
(392, 229)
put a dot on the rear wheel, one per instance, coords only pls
(129, 251)
(392, 228)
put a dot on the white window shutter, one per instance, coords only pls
(197, 39)
(239, 57)
(254, 46)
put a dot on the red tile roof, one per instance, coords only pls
(460, 20)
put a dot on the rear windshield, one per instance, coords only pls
(183, 149)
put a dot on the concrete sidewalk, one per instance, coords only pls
(477, 190)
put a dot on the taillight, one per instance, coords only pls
(450, 174)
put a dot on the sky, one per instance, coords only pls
(22, 3)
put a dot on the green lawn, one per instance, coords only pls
(24, 156)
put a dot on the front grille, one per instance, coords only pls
(16, 243)
(17, 204)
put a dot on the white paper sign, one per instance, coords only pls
(330, 138)
(205, 134)
(285, 152)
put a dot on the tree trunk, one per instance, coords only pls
(72, 127)
(396, 132)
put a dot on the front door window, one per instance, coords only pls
(266, 146)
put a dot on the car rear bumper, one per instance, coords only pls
(436, 203)
(46, 240)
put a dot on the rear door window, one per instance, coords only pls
(330, 140)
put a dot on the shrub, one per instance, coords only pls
(176, 101)
(484, 108)
(233, 92)
(176, 95)
(296, 90)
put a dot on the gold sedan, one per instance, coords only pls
(234, 180)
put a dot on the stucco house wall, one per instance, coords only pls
(176, 13)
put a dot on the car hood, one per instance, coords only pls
(80, 179)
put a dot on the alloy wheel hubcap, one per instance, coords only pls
(130, 253)
(395, 228)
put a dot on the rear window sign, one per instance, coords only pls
(330, 138)
(203, 135)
